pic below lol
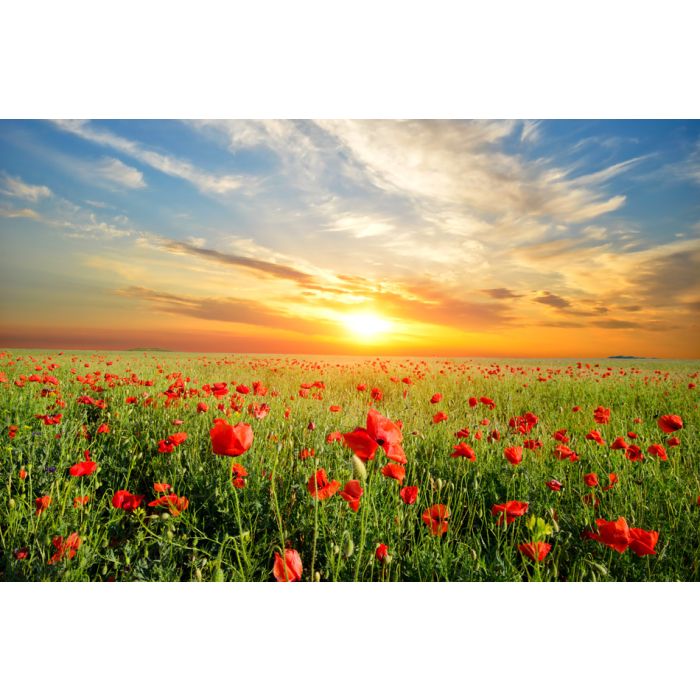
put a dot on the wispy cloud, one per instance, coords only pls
(16, 187)
(207, 182)
(19, 213)
(120, 174)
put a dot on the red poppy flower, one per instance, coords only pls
(670, 423)
(352, 493)
(381, 552)
(230, 440)
(439, 417)
(436, 398)
(104, 428)
(67, 547)
(436, 518)
(565, 452)
(615, 534)
(336, 436)
(42, 503)
(487, 402)
(524, 424)
(83, 468)
(319, 486)
(159, 487)
(463, 433)
(394, 471)
(380, 432)
(561, 436)
(202, 407)
(176, 504)
(23, 474)
(21, 553)
(239, 474)
(536, 551)
(307, 453)
(335, 409)
(642, 542)
(554, 485)
(464, 450)
(658, 451)
(673, 441)
(612, 480)
(596, 437)
(634, 453)
(473, 401)
(409, 494)
(509, 511)
(618, 444)
(513, 454)
(288, 569)
(601, 415)
(128, 502)
(79, 501)
(533, 444)
(591, 480)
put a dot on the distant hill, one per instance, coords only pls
(628, 357)
(148, 350)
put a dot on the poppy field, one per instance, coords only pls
(159, 466)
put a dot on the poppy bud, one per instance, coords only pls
(359, 471)
(317, 576)
(198, 574)
(439, 484)
(348, 546)
(219, 576)
(12, 504)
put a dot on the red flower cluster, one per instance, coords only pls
(67, 547)
(128, 502)
(619, 536)
(171, 442)
(509, 511)
(175, 504)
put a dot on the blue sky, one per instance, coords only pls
(460, 237)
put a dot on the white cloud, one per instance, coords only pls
(113, 170)
(15, 187)
(175, 167)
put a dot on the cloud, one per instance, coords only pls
(113, 170)
(175, 167)
(228, 310)
(15, 187)
(501, 293)
(268, 268)
(19, 213)
(465, 163)
(553, 300)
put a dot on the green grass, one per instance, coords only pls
(229, 534)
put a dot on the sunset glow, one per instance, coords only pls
(366, 326)
(467, 238)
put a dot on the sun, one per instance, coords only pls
(366, 326)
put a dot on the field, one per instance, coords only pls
(522, 469)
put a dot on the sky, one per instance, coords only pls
(510, 238)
